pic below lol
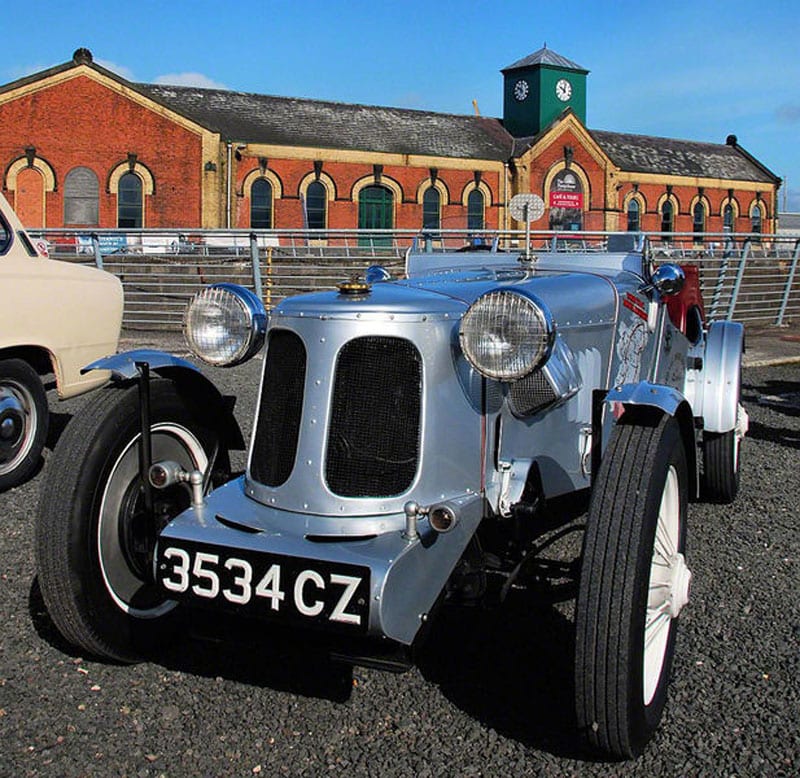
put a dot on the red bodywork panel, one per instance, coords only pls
(689, 297)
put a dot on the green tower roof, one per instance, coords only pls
(544, 56)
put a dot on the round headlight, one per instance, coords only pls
(224, 324)
(505, 335)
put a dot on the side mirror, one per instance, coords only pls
(376, 274)
(668, 279)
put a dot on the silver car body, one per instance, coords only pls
(478, 441)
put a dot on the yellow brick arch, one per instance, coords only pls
(47, 172)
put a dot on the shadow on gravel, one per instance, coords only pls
(284, 663)
(778, 435)
(43, 624)
(511, 668)
(781, 396)
(58, 423)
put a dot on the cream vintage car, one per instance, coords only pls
(55, 318)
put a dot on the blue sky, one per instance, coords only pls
(693, 70)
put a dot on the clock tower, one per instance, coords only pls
(538, 88)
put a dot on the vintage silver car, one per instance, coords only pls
(54, 318)
(410, 438)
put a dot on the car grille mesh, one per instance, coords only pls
(530, 394)
(280, 411)
(373, 440)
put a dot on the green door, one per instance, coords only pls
(376, 212)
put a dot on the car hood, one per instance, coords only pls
(567, 295)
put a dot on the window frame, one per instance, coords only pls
(269, 209)
(129, 206)
(472, 214)
(323, 210)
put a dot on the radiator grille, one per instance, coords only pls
(530, 394)
(373, 440)
(278, 425)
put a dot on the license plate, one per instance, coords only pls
(261, 584)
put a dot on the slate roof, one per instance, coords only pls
(647, 154)
(287, 121)
(544, 56)
(256, 118)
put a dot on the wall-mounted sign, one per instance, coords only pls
(566, 201)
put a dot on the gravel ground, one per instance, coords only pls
(491, 694)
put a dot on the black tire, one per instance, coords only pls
(618, 700)
(24, 420)
(92, 564)
(721, 454)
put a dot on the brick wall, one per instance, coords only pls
(80, 122)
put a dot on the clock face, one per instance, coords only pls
(563, 89)
(521, 90)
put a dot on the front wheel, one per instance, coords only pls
(23, 421)
(94, 541)
(634, 582)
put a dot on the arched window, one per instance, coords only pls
(81, 197)
(431, 209)
(698, 218)
(475, 206)
(376, 212)
(129, 201)
(316, 206)
(727, 218)
(634, 216)
(667, 216)
(755, 219)
(261, 204)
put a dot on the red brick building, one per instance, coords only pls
(82, 147)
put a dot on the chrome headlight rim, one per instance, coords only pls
(249, 339)
(547, 334)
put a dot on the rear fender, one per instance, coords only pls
(714, 389)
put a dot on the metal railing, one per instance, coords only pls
(750, 278)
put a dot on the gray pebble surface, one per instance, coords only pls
(490, 695)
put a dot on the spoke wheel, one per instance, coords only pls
(634, 583)
(23, 421)
(94, 541)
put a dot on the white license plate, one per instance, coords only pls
(261, 584)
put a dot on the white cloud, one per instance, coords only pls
(189, 79)
(120, 70)
(20, 71)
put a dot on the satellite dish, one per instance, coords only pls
(526, 207)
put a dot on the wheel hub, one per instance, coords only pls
(679, 583)
(12, 424)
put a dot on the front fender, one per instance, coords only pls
(189, 380)
(123, 365)
(648, 398)
(664, 398)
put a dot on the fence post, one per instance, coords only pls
(789, 281)
(739, 275)
(256, 265)
(268, 301)
(98, 257)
